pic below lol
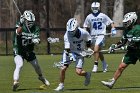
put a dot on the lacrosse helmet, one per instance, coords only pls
(29, 18)
(72, 26)
(129, 19)
(95, 7)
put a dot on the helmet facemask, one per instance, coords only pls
(72, 33)
(127, 24)
(29, 18)
(95, 7)
(130, 19)
(29, 23)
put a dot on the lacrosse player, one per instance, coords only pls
(25, 37)
(76, 40)
(131, 37)
(97, 22)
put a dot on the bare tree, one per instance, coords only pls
(118, 14)
(79, 13)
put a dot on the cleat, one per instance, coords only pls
(87, 79)
(95, 68)
(109, 84)
(59, 88)
(15, 86)
(105, 69)
(45, 81)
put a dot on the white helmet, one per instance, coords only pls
(95, 7)
(28, 15)
(130, 18)
(72, 26)
(29, 18)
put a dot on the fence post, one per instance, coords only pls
(48, 35)
(6, 45)
(48, 27)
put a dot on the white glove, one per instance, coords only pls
(113, 31)
(72, 58)
(124, 48)
(36, 40)
(87, 53)
(22, 19)
(112, 48)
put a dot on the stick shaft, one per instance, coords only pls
(17, 7)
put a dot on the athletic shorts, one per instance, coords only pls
(98, 40)
(29, 56)
(79, 60)
(131, 57)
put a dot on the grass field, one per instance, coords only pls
(129, 82)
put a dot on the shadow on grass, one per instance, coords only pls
(23, 89)
(104, 72)
(78, 89)
(126, 88)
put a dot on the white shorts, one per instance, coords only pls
(79, 60)
(98, 40)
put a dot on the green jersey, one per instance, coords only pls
(22, 44)
(132, 37)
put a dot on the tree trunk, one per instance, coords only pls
(118, 15)
(79, 13)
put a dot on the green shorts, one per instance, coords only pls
(131, 57)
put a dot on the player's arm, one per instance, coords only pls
(18, 30)
(19, 25)
(36, 39)
(86, 25)
(120, 44)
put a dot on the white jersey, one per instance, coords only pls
(76, 45)
(97, 24)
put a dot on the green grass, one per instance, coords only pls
(129, 82)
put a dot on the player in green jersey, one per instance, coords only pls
(131, 36)
(25, 38)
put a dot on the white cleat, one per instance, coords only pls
(15, 86)
(105, 69)
(45, 81)
(59, 88)
(109, 84)
(95, 68)
(87, 79)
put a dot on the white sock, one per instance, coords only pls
(61, 84)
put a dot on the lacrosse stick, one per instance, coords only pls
(20, 13)
(86, 53)
(58, 65)
(107, 50)
(17, 7)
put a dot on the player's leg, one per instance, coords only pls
(39, 72)
(96, 58)
(80, 71)
(65, 62)
(129, 58)
(104, 64)
(19, 63)
(117, 74)
(98, 44)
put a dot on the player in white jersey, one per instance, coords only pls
(97, 22)
(76, 40)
